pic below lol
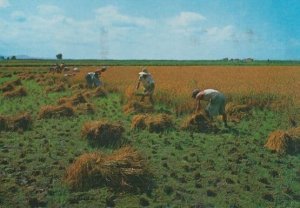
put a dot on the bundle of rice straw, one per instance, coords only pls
(98, 92)
(103, 133)
(137, 107)
(19, 92)
(154, 123)
(284, 142)
(50, 111)
(123, 169)
(15, 123)
(10, 86)
(198, 122)
(74, 100)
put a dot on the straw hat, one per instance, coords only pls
(98, 71)
(144, 72)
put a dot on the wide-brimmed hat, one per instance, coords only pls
(98, 71)
(144, 72)
(195, 92)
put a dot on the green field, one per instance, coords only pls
(230, 168)
(45, 62)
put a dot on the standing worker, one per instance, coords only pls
(216, 105)
(93, 78)
(148, 84)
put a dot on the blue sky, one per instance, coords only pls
(151, 29)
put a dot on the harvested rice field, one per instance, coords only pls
(64, 145)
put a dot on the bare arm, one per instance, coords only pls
(198, 106)
(198, 98)
(138, 85)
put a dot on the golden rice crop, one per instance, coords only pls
(259, 85)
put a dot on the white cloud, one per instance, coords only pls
(4, 3)
(111, 16)
(52, 30)
(49, 10)
(110, 33)
(221, 33)
(185, 19)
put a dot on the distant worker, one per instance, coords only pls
(148, 84)
(62, 67)
(216, 105)
(93, 78)
(75, 69)
(52, 69)
(55, 68)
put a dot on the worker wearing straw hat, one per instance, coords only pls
(216, 105)
(148, 83)
(93, 78)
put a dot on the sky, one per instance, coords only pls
(151, 29)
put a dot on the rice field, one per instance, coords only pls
(63, 145)
(175, 83)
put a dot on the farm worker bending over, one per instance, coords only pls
(216, 105)
(148, 84)
(93, 78)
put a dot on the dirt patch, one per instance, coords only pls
(134, 107)
(18, 92)
(154, 123)
(16, 123)
(50, 111)
(237, 112)
(284, 142)
(103, 133)
(124, 168)
(198, 122)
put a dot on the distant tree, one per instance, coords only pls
(2, 57)
(59, 56)
(7, 58)
(13, 58)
